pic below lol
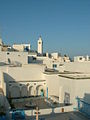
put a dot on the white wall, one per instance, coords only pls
(83, 89)
(77, 67)
(32, 74)
(3, 57)
(21, 57)
(53, 83)
(2, 83)
(1, 80)
(76, 88)
(50, 61)
(58, 86)
(67, 86)
(55, 55)
(79, 59)
(18, 47)
(21, 47)
(26, 72)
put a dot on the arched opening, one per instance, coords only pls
(15, 92)
(40, 90)
(24, 92)
(31, 91)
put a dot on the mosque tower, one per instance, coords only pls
(40, 45)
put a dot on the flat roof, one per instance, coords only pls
(75, 76)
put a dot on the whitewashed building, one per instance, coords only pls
(56, 77)
(22, 47)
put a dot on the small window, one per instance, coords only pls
(34, 58)
(80, 58)
(9, 61)
(54, 65)
(8, 53)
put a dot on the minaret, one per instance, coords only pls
(40, 45)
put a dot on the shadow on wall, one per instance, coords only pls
(87, 98)
(4, 106)
(14, 89)
(84, 104)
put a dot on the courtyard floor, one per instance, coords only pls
(30, 103)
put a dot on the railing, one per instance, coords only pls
(83, 107)
(18, 114)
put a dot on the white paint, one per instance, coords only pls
(14, 57)
(21, 47)
(40, 45)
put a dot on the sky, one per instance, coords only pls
(63, 24)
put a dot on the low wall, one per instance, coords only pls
(50, 110)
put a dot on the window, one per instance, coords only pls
(54, 65)
(80, 58)
(9, 61)
(8, 53)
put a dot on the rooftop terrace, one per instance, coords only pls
(75, 76)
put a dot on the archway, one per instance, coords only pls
(40, 90)
(15, 91)
(31, 91)
(24, 92)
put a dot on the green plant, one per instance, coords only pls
(42, 90)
